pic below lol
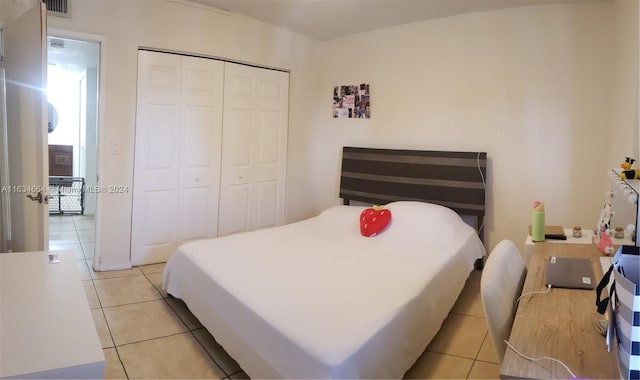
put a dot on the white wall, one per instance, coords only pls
(177, 26)
(623, 124)
(533, 87)
(91, 139)
(63, 92)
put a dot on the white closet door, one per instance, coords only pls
(201, 137)
(254, 148)
(176, 168)
(155, 181)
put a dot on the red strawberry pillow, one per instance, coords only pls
(374, 220)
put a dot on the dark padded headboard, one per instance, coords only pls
(452, 179)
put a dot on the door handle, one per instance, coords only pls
(39, 198)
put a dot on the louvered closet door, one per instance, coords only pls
(177, 153)
(254, 148)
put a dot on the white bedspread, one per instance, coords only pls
(315, 299)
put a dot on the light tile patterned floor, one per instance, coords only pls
(145, 334)
(72, 232)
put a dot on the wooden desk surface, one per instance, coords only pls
(559, 324)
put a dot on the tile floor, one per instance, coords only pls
(74, 232)
(146, 334)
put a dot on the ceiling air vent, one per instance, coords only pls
(58, 8)
(56, 43)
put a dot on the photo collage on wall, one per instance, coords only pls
(351, 102)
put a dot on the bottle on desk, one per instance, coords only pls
(537, 221)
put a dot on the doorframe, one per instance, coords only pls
(5, 202)
(102, 41)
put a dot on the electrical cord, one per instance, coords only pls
(532, 293)
(484, 187)
(540, 358)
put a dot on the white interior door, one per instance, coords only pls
(177, 153)
(254, 148)
(25, 53)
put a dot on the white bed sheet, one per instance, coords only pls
(315, 299)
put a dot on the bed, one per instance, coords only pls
(315, 299)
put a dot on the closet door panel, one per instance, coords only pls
(160, 234)
(195, 222)
(159, 191)
(254, 147)
(238, 139)
(202, 86)
(271, 150)
(160, 141)
(270, 171)
(159, 237)
(269, 139)
(267, 203)
(177, 153)
(235, 193)
(235, 212)
(196, 134)
(155, 182)
(242, 85)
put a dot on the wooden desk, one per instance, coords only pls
(559, 324)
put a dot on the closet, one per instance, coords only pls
(254, 148)
(210, 151)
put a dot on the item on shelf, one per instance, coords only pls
(577, 232)
(619, 233)
(627, 171)
(631, 229)
(552, 232)
(605, 245)
(628, 163)
(537, 221)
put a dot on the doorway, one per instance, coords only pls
(72, 93)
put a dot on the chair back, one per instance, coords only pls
(500, 286)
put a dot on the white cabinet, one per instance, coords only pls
(210, 151)
(45, 322)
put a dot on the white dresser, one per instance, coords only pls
(46, 327)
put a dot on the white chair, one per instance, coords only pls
(500, 286)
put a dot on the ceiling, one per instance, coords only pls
(328, 19)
